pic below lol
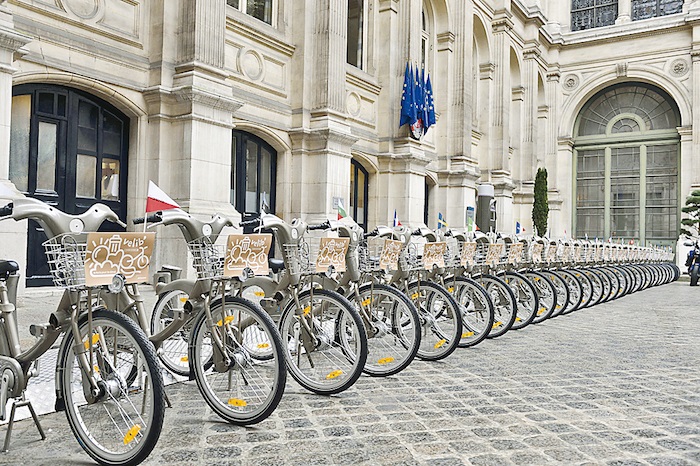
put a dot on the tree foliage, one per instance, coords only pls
(540, 208)
(692, 208)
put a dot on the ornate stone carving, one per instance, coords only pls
(679, 67)
(571, 82)
(621, 69)
(354, 104)
(85, 9)
(251, 64)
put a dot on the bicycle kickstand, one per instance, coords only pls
(19, 404)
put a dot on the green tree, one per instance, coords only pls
(692, 208)
(540, 208)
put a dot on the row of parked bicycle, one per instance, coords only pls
(333, 306)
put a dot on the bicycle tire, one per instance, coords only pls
(477, 310)
(563, 293)
(130, 414)
(525, 296)
(249, 389)
(394, 339)
(505, 305)
(441, 319)
(339, 343)
(174, 351)
(576, 291)
(546, 293)
(587, 286)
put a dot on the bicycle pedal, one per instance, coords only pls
(38, 330)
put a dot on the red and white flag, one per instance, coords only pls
(158, 200)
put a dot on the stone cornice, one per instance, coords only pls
(531, 13)
(12, 40)
(633, 30)
(261, 37)
(362, 80)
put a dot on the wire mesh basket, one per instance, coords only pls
(315, 255)
(514, 253)
(378, 254)
(207, 258)
(535, 253)
(552, 255)
(65, 255)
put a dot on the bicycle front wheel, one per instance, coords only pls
(121, 422)
(393, 333)
(174, 349)
(324, 339)
(526, 297)
(237, 360)
(477, 310)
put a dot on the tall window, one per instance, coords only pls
(253, 174)
(627, 150)
(643, 9)
(359, 193)
(588, 14)
(356, 31)
(425, 39)
(260, 9)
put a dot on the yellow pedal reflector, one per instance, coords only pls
(366, 302)
(307, 310)
(96, 369)
(497, 324)
(541, 311)
(259, 294)
(334, 374)
(414, 296)
(263, 345)
(95, 339)
(237, 402)
(558, 306)
(183, 299)
(518, 319)
(451, 289)
(131, 434)
(536, 279)
(383, 361)
(184, 359)
(440, 344)
(467, 334)
(225, 321)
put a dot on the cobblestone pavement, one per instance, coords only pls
(617, 384)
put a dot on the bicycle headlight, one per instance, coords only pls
(117, 285)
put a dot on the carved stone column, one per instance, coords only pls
(329, 43)
(624, 11)
(529, 147)
(502, 93)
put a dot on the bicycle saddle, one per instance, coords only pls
(7, 267)
(276, 264)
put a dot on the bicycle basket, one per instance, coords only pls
(207, 258)
(65, 255)
(316, 255)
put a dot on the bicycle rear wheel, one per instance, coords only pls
(325, 342)
(576, 290)
(244, 385)
(526, 297)
(393, 336)
(174, 350)
(546, 293)
(121, 424)
(564, 298)
(504, 303)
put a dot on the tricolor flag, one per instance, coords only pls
(441, 221)
(517, 228)
(397, 223)
(158, 200)
(341, 210)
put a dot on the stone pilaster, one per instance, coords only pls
(329, 39)
(624, 11)
(502, 93)
(529, 147)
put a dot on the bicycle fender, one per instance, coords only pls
(181, 284)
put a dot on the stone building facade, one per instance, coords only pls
(227, 104)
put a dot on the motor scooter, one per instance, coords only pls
(692, 261)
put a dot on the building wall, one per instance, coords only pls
(509, 78)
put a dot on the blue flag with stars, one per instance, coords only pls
(430, 105)
(408, 104)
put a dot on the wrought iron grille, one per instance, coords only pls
(588, 14)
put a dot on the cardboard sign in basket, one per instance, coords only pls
(109, 254)
(515, 253)
(552, 253)
(493, 256)
(537, 249)
(468, 253)
(247, 251)
(331, 251)
(389, 259)
(434, 255)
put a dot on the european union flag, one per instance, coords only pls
(408, 104)
(419, 96)
(430, 105)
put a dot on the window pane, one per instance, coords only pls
(46, 156)
(19, 141)
(110, 180)
(361, 184)
(87, 126)
(353, 169)
(355, 32)
(260, 9)
(112, 132)
(251, 175)
(233, 3)
(234, 151)
(265, 180)
(45, 103)
(85, 176)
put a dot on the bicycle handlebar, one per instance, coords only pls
(6, 210)
(374, 232)
(416, 232)
(321, 226)
(251, 223)
(153, 218)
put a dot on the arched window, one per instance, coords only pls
(426, 38)
(356, 33)
(626, 149)
(70, 150)
(588, 14)
(643, 9)
(253, 173)
(359, 193)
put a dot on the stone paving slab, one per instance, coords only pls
(617, 384)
